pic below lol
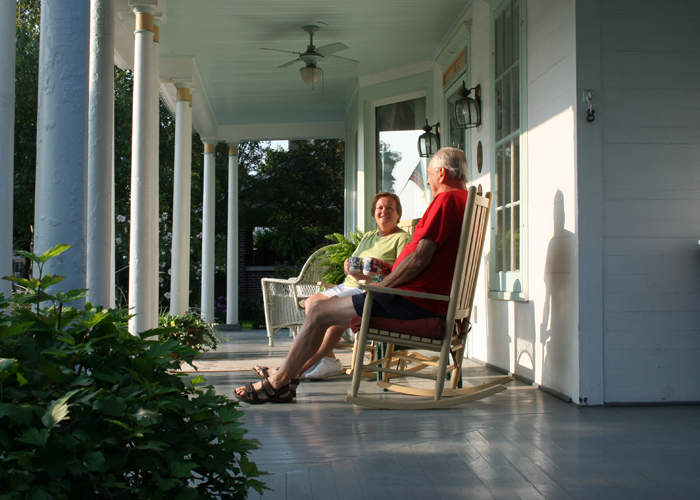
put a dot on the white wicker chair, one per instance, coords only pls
(281, 297)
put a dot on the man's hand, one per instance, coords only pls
(412, 265)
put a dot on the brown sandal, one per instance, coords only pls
(262, 373)
(271, 395)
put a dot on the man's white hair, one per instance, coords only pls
(454, 163)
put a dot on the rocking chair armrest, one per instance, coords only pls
(405, 293)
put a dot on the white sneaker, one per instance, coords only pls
(326, 368)
(305, 375)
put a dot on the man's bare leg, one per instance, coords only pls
(322, 315)
(330, 340)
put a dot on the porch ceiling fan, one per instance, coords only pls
(311, 72)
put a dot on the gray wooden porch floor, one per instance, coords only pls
(521, 443)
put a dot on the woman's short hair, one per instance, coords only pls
(454, 163)
(387, 195)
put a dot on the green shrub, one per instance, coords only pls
(89, 411)
(251, 308)
(336, 254)
(188, 328)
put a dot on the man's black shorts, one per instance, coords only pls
(392, 306)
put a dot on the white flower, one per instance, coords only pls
(162, 264)
(121, 218)
(167, 295)
(170, 271)
(165, 215)
(161, 280)
(162, 253)
(160, 220)
(118, 241)
(199, 235)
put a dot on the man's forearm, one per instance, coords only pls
(412, 265)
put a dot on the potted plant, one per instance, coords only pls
(188, 328)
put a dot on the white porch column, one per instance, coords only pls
(143, 252)
(7, 141)
(208, 233)
(232, 238)
(182, 205)
(62, 133)
(100, 220)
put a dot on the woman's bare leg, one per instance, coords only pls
(330, 340)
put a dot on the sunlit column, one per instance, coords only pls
(232, 238)
(208, 233)
(62, 133)
(143, 251)
(182, 205)
(100, 215)
(7, 129)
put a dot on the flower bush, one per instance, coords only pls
(89, 411)
(188, 328)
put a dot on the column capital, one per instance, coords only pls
(233, 149)
(209, 147)
(183, 92)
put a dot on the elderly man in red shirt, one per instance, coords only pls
(425, 265)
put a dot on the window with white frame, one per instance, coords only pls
(508, 136)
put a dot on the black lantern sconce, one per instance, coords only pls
(429, 143)
(467, 108)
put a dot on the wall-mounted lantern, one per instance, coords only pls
(467, 108)
(429, 142)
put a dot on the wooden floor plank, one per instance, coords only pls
(529, 439)
(345, 478)
(392, 475)
(539, 480)
(322, 482)
(298, 485)
(369, 477)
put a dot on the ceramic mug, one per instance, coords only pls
(372, 266)
(356, 264)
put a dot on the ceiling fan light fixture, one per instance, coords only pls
(311, 74)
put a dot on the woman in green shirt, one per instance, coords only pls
(385, 244)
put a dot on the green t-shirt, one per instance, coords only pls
(386, 248)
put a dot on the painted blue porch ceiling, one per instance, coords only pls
(242, 82)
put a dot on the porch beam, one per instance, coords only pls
(100, 279)
(232, 238)
(208, 236)
(182, 204)
(62, 134)
(143, 253)
(7, 134)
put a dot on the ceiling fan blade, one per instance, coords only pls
(327, 50)
(288, 63)
(344, 60)
(278, 50)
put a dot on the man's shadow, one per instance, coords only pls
(558, 319)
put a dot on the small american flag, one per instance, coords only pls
(417, 177)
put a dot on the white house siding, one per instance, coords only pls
(650, 113)
(538, 339)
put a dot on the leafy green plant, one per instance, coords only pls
(251, 308)
(335, 255)
(89, 411)
(188, 328)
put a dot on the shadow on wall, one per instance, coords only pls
(558, 321)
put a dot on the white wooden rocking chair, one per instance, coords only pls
(446, 337)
